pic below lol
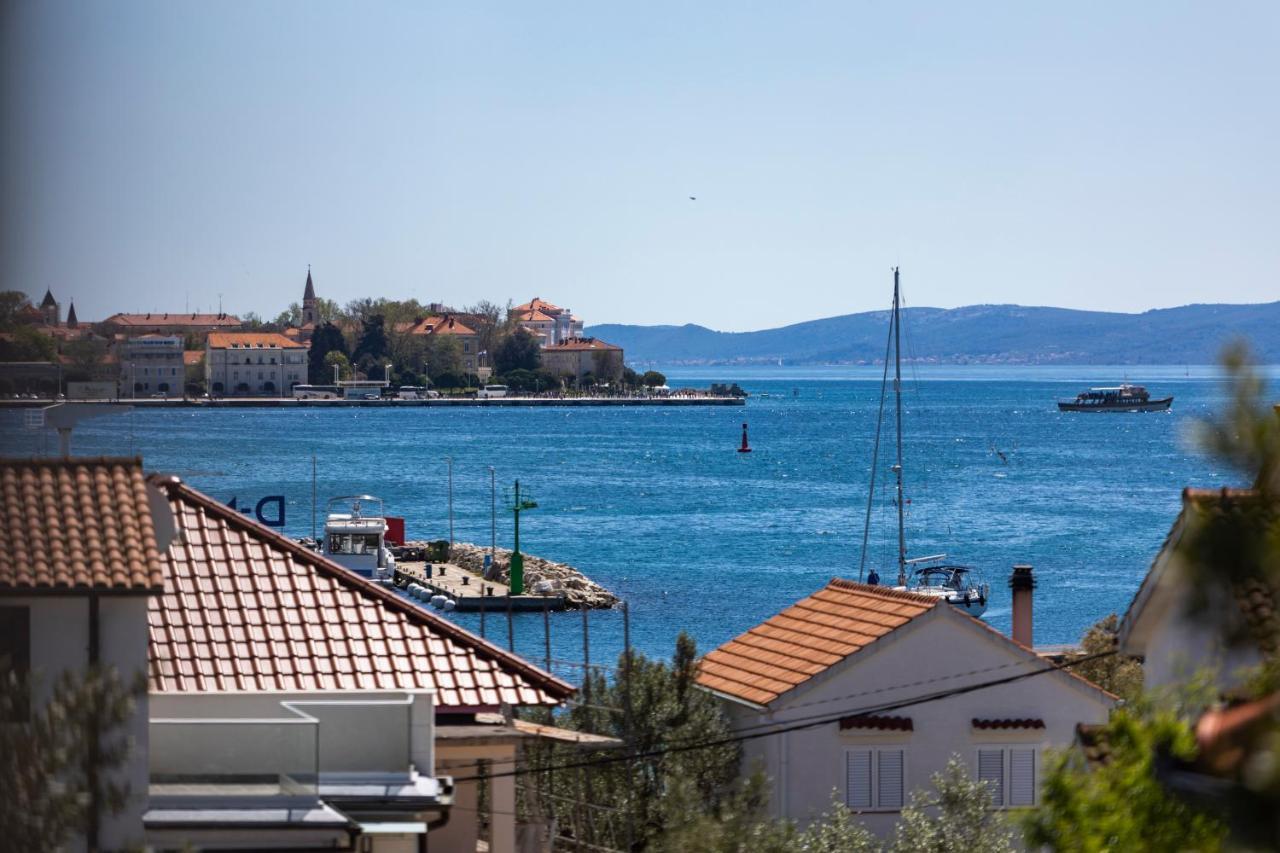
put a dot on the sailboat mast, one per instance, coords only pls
(897, 397)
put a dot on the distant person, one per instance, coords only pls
(874, 578)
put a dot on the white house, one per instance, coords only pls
(839, 660)
(152, 364)
(1173, 642)
(259, 364)
(79, 543)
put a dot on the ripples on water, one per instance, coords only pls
(656, 504)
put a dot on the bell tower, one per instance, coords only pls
(309, 314)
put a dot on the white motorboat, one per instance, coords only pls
(355, 529)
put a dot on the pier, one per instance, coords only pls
(469, 591)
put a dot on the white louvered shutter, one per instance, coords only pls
(889, 787)
(991, 771)
(857, 770)
(1022, 777)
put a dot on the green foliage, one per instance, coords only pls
(652, 379)
(27, 343)
(344, 365)
(325, 339)
(836, 831)
(1120, 804)
(731, 824)
(956, 817)
(11, 302)
(86, 361)
(1119, 674)
(45, 771)
(373, 347)
(1247, 434)
(518, 350)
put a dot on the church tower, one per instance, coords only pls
(72, 322)
(309, 314)
(50, 309)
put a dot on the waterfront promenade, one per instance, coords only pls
(439, 403)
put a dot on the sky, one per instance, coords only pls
(171, 156)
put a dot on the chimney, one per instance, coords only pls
(1022, 584)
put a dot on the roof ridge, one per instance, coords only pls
(172, 483)
(882, 591)
(67, 461)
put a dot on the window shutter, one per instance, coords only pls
(1022, 777)
(890, 779)
(991, 771)
(857, 792)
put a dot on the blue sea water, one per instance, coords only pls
(655, 503)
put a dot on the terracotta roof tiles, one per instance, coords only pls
(807, 638)
(252, 340)
(76, 525)
(1025, 723)
(877, 722)
(247, 609)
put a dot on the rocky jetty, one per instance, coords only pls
(539, 575)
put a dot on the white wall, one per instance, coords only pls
(1177, 647)
(60, 642)
(808, 764)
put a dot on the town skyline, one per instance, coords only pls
(156, 156)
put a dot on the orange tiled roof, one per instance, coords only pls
(252, 340)
(581, 345)
(165, 319)
(192, 356)
(538, 304)
(446, 325)
(247, 609)
(807, 638)
(75, 525)
(534, 316)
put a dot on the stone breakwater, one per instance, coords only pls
(539, 575)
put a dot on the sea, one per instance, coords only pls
(656, 503)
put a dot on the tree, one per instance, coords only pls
(27, 343)
(956, 817)
(1117, 673)
(68, 749)
(653, 379)
(291, 316)
(325, 339)
(518, 350)
(86, 360)
(338, 358)
(11, 302)
(373, 347)
(1120, 804)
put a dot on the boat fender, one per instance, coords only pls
(448, 604)
(437, 600)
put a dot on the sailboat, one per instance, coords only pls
(931, 575)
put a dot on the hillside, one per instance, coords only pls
(1191, 334)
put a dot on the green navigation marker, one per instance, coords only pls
(516, 584)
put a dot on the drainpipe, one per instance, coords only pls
(91, 771)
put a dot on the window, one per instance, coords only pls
(15, 652)
(1010, 772)
(874, 779)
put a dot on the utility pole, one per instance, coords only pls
(493, 515)
(516, 581)
(449, 459)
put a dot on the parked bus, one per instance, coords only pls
(492, 391)
(416, 392)
(316, 392)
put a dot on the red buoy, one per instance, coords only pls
(745, 448)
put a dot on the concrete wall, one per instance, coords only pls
(1177, 647)
(807, 765)
(60, 643)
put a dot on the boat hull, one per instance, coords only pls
(1148, 406)
(973, 602)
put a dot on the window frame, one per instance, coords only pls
(1006, 750)
(874, 753)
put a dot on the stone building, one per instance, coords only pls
(253, 364)
(577, 357)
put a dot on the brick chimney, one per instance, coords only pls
(1022, 584)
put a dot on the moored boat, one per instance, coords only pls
(355, 529)
(1120, 398)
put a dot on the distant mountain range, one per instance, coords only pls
(998, 334)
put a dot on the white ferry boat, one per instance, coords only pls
(355, 529)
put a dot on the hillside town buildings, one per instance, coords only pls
(550, 324)
(451, 326)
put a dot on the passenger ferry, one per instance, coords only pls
(355, 529)
(1121, 398)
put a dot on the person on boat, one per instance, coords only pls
(873, 579)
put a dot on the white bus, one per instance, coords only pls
(492, 391)
(316, 392)
(416, 392)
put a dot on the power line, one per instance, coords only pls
(795, 725)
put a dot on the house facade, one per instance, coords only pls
(550, 324)
(578, 357)
(77, 573)
(1173, 640)
(257, 364)
(151, 364)
(447, 325)
(841, 666)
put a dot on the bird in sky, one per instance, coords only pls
(693, 198)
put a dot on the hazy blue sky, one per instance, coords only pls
(1105, 155)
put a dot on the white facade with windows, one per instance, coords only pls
(873, 761)
(253, 364)
(151, 364)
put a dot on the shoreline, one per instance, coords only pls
(445, 403)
